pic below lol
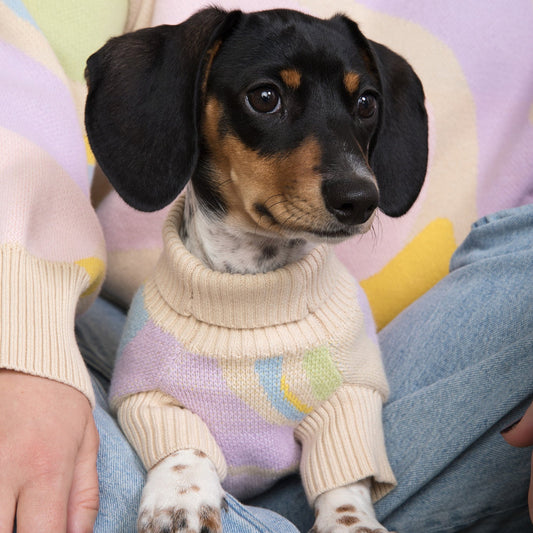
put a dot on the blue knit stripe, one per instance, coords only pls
(20, 9)
(270, 373)
(137, 318)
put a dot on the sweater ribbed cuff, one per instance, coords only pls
(343, 442)
(177, 429)
(38, 301)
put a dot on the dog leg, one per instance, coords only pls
(182, 494)
(346, 510)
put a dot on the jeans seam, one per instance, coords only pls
(249, 517)
(472, 523)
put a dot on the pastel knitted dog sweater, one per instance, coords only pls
(263, 373)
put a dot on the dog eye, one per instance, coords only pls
(367, 105)
(264, 99)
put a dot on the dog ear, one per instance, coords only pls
(399, 152)
(143, 103)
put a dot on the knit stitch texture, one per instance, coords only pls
(251, 369)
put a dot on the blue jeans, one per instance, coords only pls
(460, 367)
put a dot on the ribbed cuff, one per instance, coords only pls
(157, 426)
(343, 442)
(38, 301)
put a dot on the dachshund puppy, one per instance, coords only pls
(290, 132)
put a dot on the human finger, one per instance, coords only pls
(520, 433)
(7, 510)
(83, 502)
(42, 506)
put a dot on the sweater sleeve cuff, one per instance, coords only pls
(38, 301)
(156, 426)
(343, 442)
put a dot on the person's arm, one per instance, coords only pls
(48, 448)
(51, 262)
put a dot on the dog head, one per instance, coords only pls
(284, 122)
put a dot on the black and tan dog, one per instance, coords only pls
(291, 130)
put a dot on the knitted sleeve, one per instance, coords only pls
(52, 253)
(343, 442)
(156, 426)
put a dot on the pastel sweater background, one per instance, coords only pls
(259, 362)
(52, 250)
(477, 71)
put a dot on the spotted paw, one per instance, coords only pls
(182, 494)
(346, 510)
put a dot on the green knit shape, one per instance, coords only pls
(322, 372)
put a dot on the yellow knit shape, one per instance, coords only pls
(95, 267)
(292, 399)
(419, 266)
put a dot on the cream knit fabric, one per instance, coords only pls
(52, 249)
(38, 303)
(262, 372)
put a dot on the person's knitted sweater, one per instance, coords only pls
(247, 367)
(52, 248)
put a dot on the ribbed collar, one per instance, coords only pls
(241, 301)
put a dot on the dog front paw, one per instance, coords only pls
(182, 494)
(346, 510)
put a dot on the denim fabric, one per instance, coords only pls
(243, 519)
(460, 367)
(120, 473)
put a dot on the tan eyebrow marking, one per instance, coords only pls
(351, 82)
(291, 77)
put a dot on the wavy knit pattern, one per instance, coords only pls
(247, 368)
(52, 249)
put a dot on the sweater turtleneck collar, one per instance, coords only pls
(241, 301)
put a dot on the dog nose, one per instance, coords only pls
(351, 201)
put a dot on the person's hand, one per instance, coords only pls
(48, 449)
(521, 435)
